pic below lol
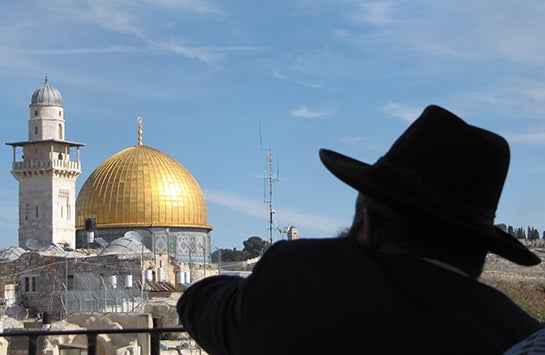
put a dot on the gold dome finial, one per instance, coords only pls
(139, 130)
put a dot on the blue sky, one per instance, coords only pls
(343, 74)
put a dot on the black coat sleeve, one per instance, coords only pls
(211, 309)
(210, 312)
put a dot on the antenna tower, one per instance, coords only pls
(269, 180)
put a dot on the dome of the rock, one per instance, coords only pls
(143, 191)
(141, 187)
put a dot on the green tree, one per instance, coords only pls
(255, 246)
(529, 233)
(510, 230)
(229, 255)
(533, 233)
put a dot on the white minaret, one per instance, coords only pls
(46, 175)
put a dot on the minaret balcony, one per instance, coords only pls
(40, 165)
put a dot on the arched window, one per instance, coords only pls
(60, 131)
(36, 211)
(36, 130)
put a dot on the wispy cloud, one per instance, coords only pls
(204, 7)
(117, 15)
(408, 114)
(299, 219)
(507, 32)
(111, 15)
(358, 11)
(288, 216)
(124, 18)
(304, 112)
(375, 13)
(298, 82)
(209, 55)
(250, 207)
(77, 51)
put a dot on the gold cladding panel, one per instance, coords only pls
(141, 186)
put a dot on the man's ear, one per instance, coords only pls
(365, 235)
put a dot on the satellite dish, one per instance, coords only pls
(34, 244)
(17, 312)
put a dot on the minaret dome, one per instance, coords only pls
(47, 95)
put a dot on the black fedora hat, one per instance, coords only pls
(443, 168)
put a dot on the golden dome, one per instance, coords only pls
(141, 186)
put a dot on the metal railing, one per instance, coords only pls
(33, 335)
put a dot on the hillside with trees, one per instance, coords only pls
(528, 233)
(253, 246)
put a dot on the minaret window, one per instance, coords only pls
(60, 114)
(60, 131)
(36, 211)
(35, 112)
(36, 130)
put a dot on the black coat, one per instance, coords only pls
(330, 296)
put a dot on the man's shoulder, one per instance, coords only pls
(298, 253)
(315, 242)
(311, 246)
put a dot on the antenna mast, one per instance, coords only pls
(269, 179)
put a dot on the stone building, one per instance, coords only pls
(137, 232)
(47, 172)
(94, 280)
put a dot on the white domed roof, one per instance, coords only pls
(47, 95)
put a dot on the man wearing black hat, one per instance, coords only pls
(402, 280)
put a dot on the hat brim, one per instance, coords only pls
(368, 180)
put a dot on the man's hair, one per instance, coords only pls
(401, 231)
